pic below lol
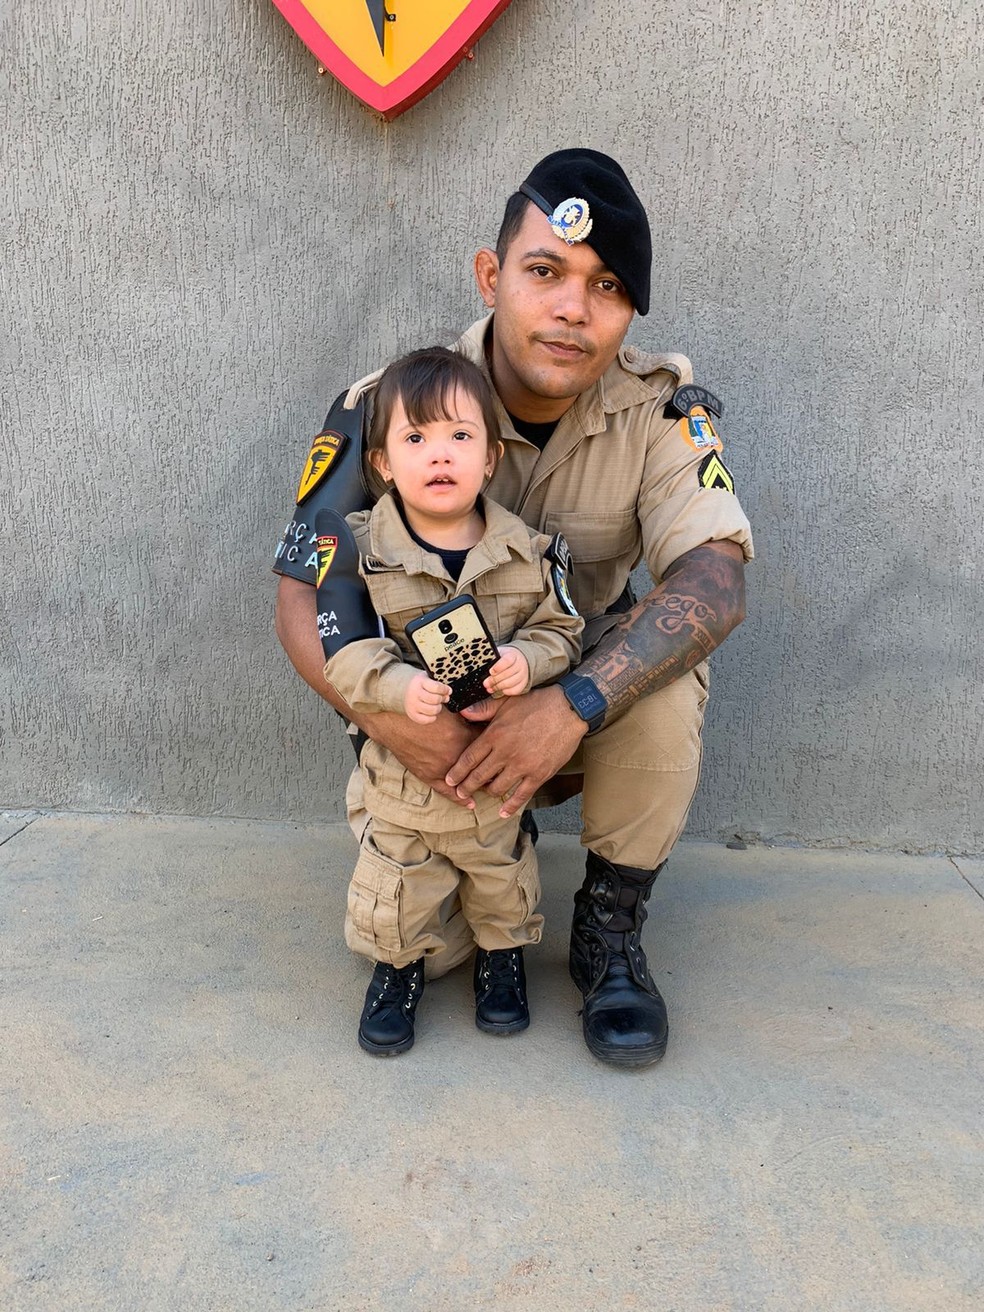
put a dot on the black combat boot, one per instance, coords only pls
(500, 991)
(386, 1026)
(624, 1017)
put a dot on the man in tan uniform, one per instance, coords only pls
(617, 450)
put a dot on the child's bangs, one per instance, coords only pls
(432, 399)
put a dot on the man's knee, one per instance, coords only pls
(641, 773)
(661, 732)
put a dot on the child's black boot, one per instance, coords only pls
(386, 1027)
(500, 991)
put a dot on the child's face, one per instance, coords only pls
(438, 467)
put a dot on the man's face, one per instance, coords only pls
(560, 317)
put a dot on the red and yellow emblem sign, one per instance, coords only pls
(327, 546)
(390, 53)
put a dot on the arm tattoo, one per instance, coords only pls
(674, 628)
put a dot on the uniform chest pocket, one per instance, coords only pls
(402, 598)
(508, 596)
(604, 547)
(593, 537)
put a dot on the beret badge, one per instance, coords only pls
(571, 221)
(601, 209)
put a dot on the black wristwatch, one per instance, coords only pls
(585, 700)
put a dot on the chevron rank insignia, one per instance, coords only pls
(713, 472)
(325, 450)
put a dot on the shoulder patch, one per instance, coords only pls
(687, 398)
(559, 552)
(327, 546)
(559, 555)
(713, 472)
(699, 433)
(325, 450)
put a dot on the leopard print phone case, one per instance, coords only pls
(455, 645)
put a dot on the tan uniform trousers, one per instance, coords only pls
(640, 776)
(408, 886)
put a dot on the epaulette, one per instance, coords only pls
(358, 390)
(643, 363)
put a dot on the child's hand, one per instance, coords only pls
(424, 698)
(510, 674)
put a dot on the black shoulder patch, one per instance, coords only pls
(559, 552)
(559, 555)
(713, 472)
(685, 398)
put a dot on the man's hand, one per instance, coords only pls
(525, 742)
(529, 738)
(427, 751)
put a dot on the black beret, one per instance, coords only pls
(587, 197)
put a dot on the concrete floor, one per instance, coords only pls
(188, 1123)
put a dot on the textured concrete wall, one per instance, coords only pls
(208, 240)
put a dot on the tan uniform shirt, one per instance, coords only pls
(619, 478)
(510, 580)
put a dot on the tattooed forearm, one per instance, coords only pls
(699, 602)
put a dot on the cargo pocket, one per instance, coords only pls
(702, 673)
(528, 884)
(374, 918)
(508, 596)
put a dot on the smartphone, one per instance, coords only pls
(455, 645)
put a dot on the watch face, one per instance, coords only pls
(587, 701)
(584, 702)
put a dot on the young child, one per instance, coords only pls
(434, 438)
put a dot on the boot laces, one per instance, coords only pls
(396, 986)
(618, 956)
(500, 967)
(628, 961)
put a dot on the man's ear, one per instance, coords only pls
(486, 275)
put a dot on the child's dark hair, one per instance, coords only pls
(425, 382)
